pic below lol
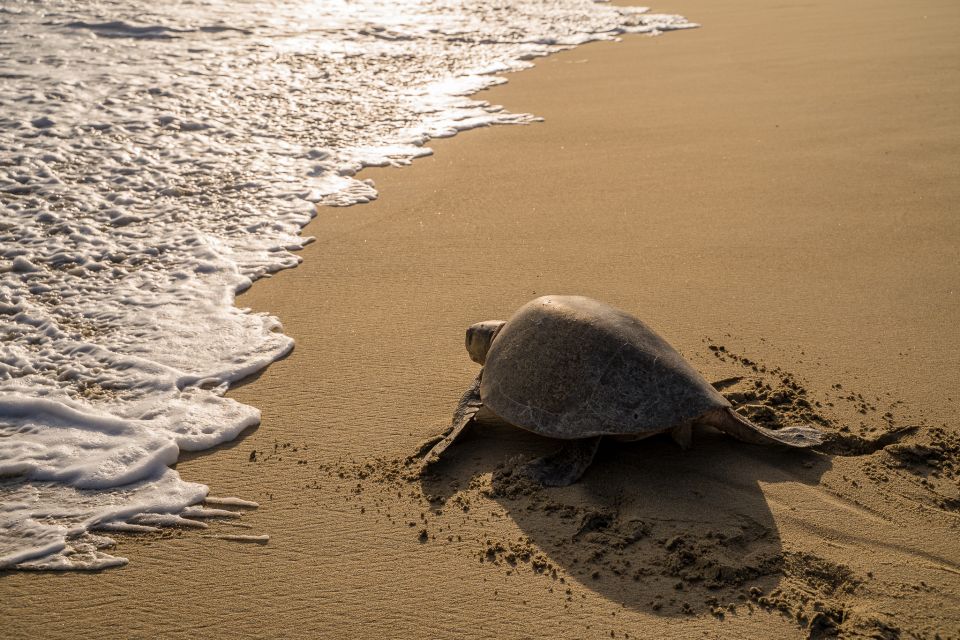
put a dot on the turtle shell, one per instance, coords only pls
(572, 367)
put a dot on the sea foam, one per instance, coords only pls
(155, 159)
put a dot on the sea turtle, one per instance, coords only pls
(576, 369)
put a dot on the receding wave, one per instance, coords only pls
(155, 159)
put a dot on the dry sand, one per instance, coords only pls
(777, 193)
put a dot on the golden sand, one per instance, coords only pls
(781, 185)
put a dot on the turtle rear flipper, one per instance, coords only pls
(466, 411)
(564, 466)
(731, 422)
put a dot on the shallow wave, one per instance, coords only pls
(154, 161)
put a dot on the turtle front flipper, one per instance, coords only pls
(564, 466)
(731, 422)
(466, 411)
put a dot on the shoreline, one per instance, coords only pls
(720, 183)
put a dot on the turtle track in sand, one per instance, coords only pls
(773, 398)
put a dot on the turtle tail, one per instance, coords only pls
(731, 422)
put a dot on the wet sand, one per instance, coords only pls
(777, 194)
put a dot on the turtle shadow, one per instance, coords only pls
(649, 526)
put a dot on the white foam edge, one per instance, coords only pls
(231, 502)
(196, 511)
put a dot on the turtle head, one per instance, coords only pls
(479, 337)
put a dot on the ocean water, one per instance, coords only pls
(155, 159)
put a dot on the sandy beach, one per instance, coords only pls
(776, 193)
